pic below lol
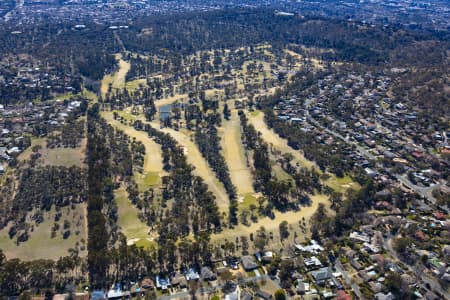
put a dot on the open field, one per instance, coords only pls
(153, 166)
(63, 156)
(316, 63)
(117, 79)
(202, 168)
(271, 225)
(57, 156)
(134, 229)
(234, 155)
(40, 245)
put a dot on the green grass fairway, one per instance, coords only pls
(153, 167)
(133, 228)
(338, 184)
(248, 200)
(134, 84)
(257, 119)
(281, 174)
(151, 179)
(146, 244)
(342, 184)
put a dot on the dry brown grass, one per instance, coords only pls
(271, 225)
(275, 141)
(153, 165)
(57, 156)
(234, 154)
(117, 79)
(40, 245)
(202, 169)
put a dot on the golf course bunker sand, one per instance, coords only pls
(130, 224)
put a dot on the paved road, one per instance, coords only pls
(210, 289)
(360, 149)
(431, 281)
(348, 279)
(426, 192)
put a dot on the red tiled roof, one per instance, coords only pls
(439, 215)
(342, 295)
(420, 235)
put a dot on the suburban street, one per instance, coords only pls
(434, 286)
(425, 192)
(348, 279)
(205, 290)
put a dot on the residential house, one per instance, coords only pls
(147, 284)
(300, 288)
(98, 295)
(191, 274)
(343, 295)
(248, 263)
(263, 294)
(355, 264)
(381, 296)
(179, 280)
(162, 283)
(312, 262)
(264, 257)
(207, 274)
(321, 275)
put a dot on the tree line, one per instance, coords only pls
(208, 143)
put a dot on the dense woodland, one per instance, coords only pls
(70, 135)
(112, 157)
(180, 188)
(88, 51)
